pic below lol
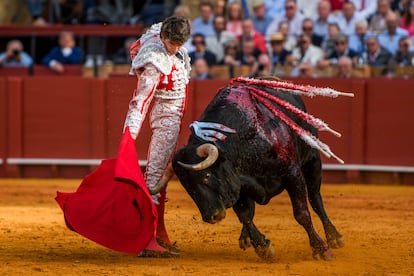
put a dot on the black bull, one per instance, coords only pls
(257, 162)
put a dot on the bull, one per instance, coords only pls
(241, 152)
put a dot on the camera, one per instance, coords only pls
(16, 52)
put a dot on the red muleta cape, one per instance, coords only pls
(112, 205)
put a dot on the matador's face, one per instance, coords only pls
(172, 47)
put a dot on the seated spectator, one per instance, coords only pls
(278, 54)
(307, 28)
(261, 19)
(65, 53)
(15, 56)
(328, 45)
(235, 18)
(347, 18)
(204, 23)
(344, 67)
(403, 57)
(341, 49)
(377, 22)
(305, 52)
(201, 70)
(249, 33)
(407, 18)
(231, 52)
(263, 66)
(122, 56)
(357, 40)
(292, 16)
(200, 50)
(375, 55)
(220, 7)
(290, 41)
(323, 18)
(249, 53)
(391, 36)
(216, 42)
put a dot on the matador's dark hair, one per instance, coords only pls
(176, 29)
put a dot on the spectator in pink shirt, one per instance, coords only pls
(407, 19)
(235, 18)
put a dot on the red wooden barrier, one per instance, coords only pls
(14, 71)
(70, 70)
(3, 125)
(63, 126)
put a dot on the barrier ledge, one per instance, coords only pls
(372, 168)
(94, 29)
(84, 162)
(59, 161)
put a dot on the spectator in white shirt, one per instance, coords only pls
(324, 17)
(204, 23)
(292, 16)
(365, 8)
(389, 39)
(347, 17)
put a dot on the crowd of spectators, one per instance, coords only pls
(303, 35)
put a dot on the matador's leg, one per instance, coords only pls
(165, 124)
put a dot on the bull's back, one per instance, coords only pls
(262, 137)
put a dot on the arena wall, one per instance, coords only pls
(55, 126)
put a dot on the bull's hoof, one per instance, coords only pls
(336, 243)
(265, 252)
(325, 254)
(245, 243)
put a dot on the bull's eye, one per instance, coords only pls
(206, 178)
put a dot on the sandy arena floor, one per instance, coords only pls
(377, 223)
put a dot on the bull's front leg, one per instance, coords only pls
(252, 189)
(250, 235)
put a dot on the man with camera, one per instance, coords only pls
(15, 56)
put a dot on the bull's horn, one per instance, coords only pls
(205, 150)
(168, 174)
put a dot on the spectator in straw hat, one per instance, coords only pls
(277, 52)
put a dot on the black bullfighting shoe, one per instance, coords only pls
(154, 250)
(170, 247)
(146, 253)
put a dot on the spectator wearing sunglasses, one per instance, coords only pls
(200, 51)
(307, 28)
(404, 56)
(294, 18)
(341, 49)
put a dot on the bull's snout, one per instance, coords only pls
(216, 217)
